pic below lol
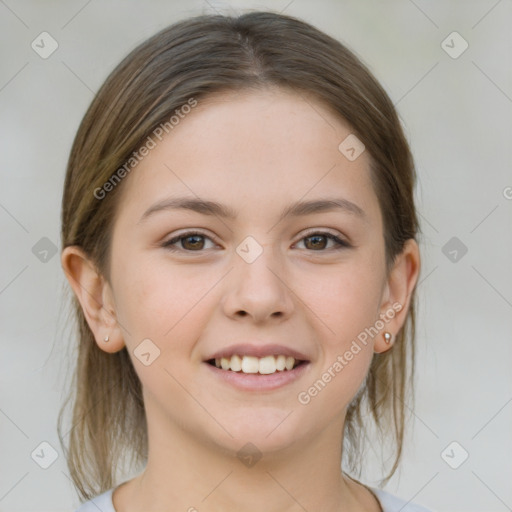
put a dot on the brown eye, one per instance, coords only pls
(319, 242)
(316, 242)
(190, 242)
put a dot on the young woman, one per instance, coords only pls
(239, 231)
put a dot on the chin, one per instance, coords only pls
(269, 429)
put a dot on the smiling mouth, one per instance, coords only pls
(256, 365)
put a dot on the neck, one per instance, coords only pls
(185, 472)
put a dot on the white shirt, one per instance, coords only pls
(388, 502)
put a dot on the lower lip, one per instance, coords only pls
(257, 381)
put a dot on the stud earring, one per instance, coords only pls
(106, 339)
(387, 337)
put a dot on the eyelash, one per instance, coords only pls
(341, 244)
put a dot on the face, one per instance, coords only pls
(268, 287)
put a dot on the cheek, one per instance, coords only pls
(161, 301)
(346, 303)
(351, 299)
(345, 299)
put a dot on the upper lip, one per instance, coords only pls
(247, 349)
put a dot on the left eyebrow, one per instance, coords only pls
(299, 208)
(322, 205)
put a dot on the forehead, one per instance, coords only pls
(253, 150)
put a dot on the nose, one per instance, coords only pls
(259, 290)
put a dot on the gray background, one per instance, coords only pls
(457, 116)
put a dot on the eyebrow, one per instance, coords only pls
(213, 208)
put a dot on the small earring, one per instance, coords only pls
(106, 339)
(387, 337)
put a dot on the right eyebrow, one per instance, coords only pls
(202, 206)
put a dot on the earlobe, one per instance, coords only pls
(380, 346)
(94, 296)
(399, 290)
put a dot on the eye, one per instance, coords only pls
(194, 241)
(191, 241)
(318, 241)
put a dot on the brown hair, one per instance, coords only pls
(193, 59)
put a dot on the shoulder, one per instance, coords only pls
(102, 502)
(391, 503)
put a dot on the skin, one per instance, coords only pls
(256, 152)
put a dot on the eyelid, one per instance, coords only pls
(323, 231)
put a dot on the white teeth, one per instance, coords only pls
(250, 364)
(267, 365)
(236, 363)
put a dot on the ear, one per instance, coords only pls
(95, 296)
(397, 293)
